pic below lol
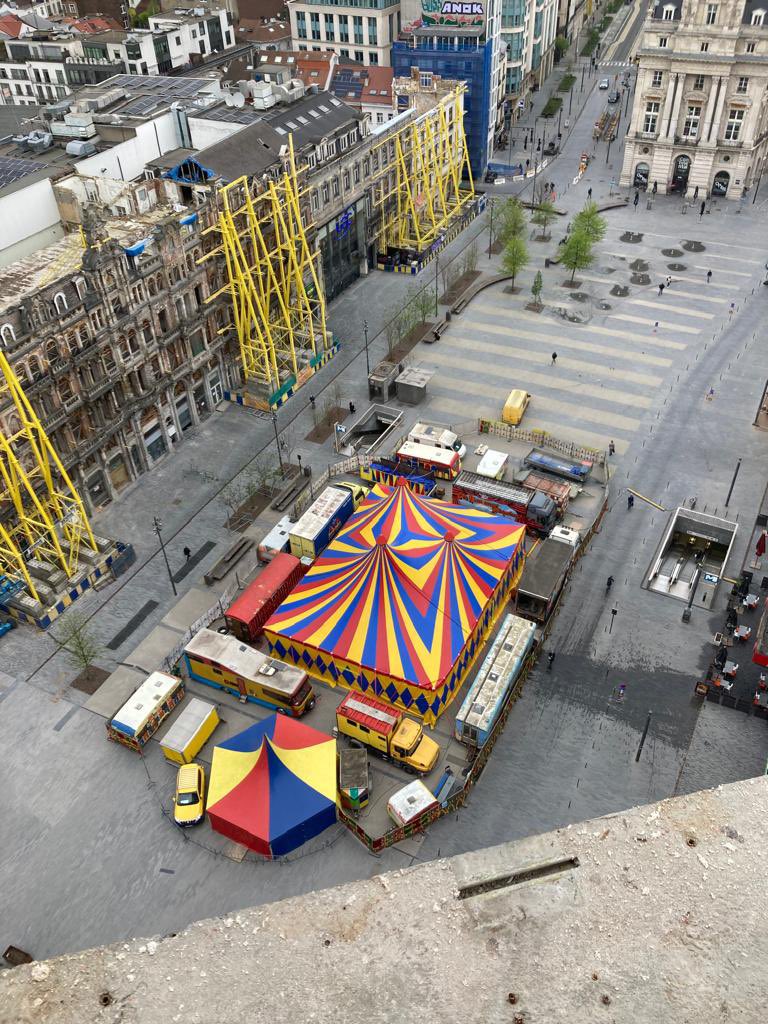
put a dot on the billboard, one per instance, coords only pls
(452, 14)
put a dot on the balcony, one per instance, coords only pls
(731, 143)
(55, 419)
(686, 140)
(98, 388)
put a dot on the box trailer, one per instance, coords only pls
(190, 732)
(276, 541)
(543, 577)
(246, 616)
(321, 522)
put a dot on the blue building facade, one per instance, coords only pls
(468, 60)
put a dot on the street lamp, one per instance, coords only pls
(367, 358)
(490, 227)
(277, 442)
(298, 457)
(157, 526)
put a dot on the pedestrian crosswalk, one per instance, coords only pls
(617, 348)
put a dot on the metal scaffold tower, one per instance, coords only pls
(431, 161)
(277, 300)
(41, 513)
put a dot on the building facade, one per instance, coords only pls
(528, 31)
(699, 121)
(363, 31)
(459, 41)
(118, 353)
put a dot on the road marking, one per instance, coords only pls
(725, 245)
(722, 270)
(455, 407)
(625, 257)
(660, 303)
(474, 344)
(640, 320)
(530, 379)
(719, 299)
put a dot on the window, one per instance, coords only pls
(758, 17)
(314, 21)
(60, 302)
(301, 25)
(345, 181)
(178, 40)
(742, 84)
(325, 192)
(663, 42)
(691, 125)
(651, 118)
(733, 127)
(7, 334)
(379, 118)
(711, 14)
(374, 57)
(425, 79)
(359, 56)
(344, 52)
(698, 82)
(344, 31)
(356, 174)
(335, 184)
(328, 19)
(314, 201)
(657, 77)
(704, 47)
(372, 38)
(358, 24)
(668, 13)
(750, 47)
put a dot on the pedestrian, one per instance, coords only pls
(709, 276)
(589, 192)
(554, 358)
(637, 199)
(655, 188)
(669, 280)
(611, 448)
(702, 208)
(187, 554)
(696, 192)
(550, 659)
(661, 288)
(732, 310)
(656, 327)
(710, 394)
(312, 401)
(351, 406)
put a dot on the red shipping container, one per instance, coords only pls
(246, 616)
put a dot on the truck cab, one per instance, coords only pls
(386, 731)
(412, 748)
(542, 511)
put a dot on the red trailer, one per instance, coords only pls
(247, 615)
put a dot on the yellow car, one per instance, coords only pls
(189, 802)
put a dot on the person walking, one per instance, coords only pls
(732, 310)
(655, 188)
(187, 554)
(312, 401)
(636, 200)
(589, 192)
(702, 208)
(554, 358)
(611, 448)
(352, 407)
(709, 276)
(661, 288)
(696, 193)
(669, 280)
(550, 659)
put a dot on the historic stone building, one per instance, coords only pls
(118, 353)
(699, 122)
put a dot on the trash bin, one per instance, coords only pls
(547, 263)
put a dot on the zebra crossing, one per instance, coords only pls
(616, 349)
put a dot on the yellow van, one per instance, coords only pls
(515, 406)
(189, 802)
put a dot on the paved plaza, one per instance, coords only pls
(88, 854)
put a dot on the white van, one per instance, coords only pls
(437, 437)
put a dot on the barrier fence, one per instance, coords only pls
(541, 439)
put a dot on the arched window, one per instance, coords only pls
(60, 302)
(80, 285)
(151, 286)
(7, 334)
(51, 351)
(758, 17)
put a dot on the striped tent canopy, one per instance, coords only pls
(400, 589)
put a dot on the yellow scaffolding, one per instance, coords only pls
(41, 513)
(418, 203)
(277, 301)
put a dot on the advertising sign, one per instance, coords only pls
(453, 13)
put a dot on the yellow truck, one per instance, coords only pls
(515, 406)
(359, 493)
(387, 731)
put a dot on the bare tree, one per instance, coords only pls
(470, 258)
(73, 636)
(232, 496)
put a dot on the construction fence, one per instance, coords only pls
(541, 439)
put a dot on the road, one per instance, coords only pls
(88, 856)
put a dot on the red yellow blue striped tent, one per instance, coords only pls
(399, 604)
(273, 786)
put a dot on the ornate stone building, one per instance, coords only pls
(699, 122)
(118, 353)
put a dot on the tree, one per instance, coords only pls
(577, 253)
(561, 45)
(515, 257)
(590, 221)
(536, 288)
(233, 496)
(543, 216)
(73, 636)
(470, 259)
(511, 220)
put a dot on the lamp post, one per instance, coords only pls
(367, 357)
(277, 442)
(490, 228)
(298, 459)
(157, 526)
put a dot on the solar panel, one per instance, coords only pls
(11, 169)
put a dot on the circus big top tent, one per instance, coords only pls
(400, 602)
(273, 786)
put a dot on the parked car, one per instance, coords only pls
(613, 97)
(604, 84)
(189, 802)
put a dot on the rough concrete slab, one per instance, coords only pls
(115, 691)
(189, 608)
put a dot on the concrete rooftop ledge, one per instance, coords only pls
(656, 914)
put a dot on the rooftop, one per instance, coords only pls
(309, 119)
(19, 166)
(358, 85)
(145, 96)
(252, 150)
(653, 914)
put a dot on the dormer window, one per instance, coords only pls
(711, 18)
(758, 17)
(668, 12)
(7, 335)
